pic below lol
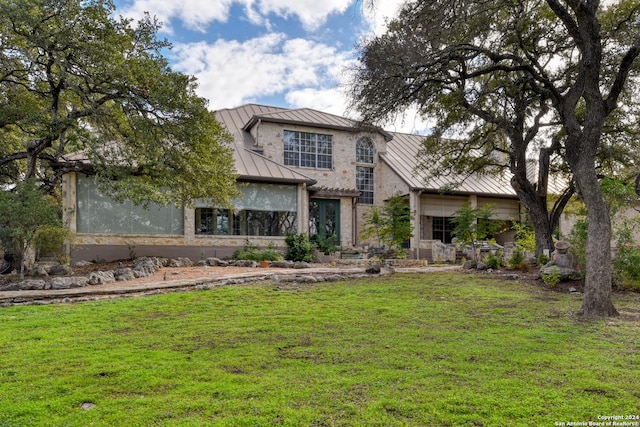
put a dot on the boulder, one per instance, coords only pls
(60, 270)
(25, 285)
(102, 277)
(124, 274)
(38, 271)
(216, 262)
(282, 264)
(145, 267)
(180, 262)
(245, 263)
(68, 282)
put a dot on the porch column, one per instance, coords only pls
(303, 209)
(414, 208)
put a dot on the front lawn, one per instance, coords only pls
(406, 350)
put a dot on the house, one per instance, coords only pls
(300, 170)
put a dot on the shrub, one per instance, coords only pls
(299, 248)
(553, 277)
(253, 253)
(543, 259)
(494, 260)
(326, 245)
(516, 259)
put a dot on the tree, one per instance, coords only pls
(389, 224)
(23, 212)
(75, 79)
(513, 77)
(473, 225)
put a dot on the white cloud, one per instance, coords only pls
(197, 16)
(231, 73)
(190, 12)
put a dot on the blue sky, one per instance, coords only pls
(289, 53)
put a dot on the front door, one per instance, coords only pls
(324, 218)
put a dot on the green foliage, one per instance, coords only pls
(578, 240)
(326, 245)
(254, 253)
(516, 259)
(543, 259)
(494, 260)
(552, 278)
(474, 224)
(24, 211)
(389, 224)
(525, 237)
(50, 239)
(626, 265)
(299, 248)
(77, 78)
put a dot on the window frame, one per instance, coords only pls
(307, 149)
(365, 184)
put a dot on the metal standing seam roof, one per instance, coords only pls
(401, 155)
(250, 165)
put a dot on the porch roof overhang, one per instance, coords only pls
(333, 192)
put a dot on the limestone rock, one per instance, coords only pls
(60, 270)
(282, 264)
(145, 267)
(68, 282)
(180, 262)
(216, 262)
(124, 274)
(101, 277)
(38, 271)
(25, 285)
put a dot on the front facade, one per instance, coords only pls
(300, 171)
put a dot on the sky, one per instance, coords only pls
(285, 53)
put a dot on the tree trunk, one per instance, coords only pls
(597, 300)
(537, 209)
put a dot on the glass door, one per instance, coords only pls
(324, 218)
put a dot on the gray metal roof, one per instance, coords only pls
(403, 156)
(251, 165)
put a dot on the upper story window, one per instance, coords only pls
(308, 150)
(364, 151)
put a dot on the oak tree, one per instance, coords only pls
(82, 90)
(515, 77)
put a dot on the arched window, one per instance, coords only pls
(364, 151)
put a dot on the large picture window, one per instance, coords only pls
(98, 213)
(261, 210)
(309, 150)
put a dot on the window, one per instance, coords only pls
(364, 183)
(261, 210)
(364, 151)
(211, 221)
(442, 228)
(309, 150)
(99, 213)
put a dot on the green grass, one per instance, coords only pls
(410, 350)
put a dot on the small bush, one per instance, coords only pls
(494, 260)
(516, 259)
(524, 266)
(50, 239)
(253, 253)
(543, 259)
(552, 278)
(627, 268)
(299, 248)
